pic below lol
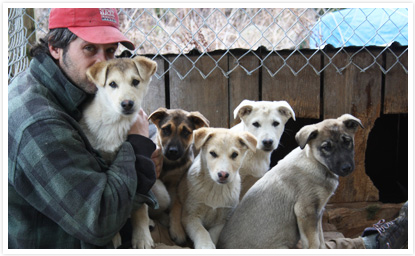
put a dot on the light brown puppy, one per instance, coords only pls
(212, 185)
(122, 84)
(287, 203)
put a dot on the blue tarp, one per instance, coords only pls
(361, 27)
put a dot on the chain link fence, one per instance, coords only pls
(159, 33)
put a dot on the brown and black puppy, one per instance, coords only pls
(175, 137)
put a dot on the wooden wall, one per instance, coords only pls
(365, 95)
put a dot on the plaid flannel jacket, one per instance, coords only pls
(61, 194)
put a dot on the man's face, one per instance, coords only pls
(79, 56)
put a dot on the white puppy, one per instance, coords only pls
(266, 121)
(211, 189)
(122, 84)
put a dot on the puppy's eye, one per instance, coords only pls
(234, 155)
(113, 84)
(213, 154)
(256, 124)
(185, 132)
(347, 141)
(135, 82)
(166, 131)
(326, 146)
(275, 123)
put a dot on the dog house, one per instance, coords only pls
(369, 95)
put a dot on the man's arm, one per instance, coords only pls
(64, 181)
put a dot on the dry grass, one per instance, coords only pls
(174, 31)
(181, 30)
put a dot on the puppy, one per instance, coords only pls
(122, 84)
(174, 136)
(212, 185)
(287, 203)
(266, 121)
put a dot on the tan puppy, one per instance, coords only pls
(212, 186)
(266, 121)
(287, 203)
(122, 84)
(175, 137)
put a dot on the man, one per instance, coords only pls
(61, 192)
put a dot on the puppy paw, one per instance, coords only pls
(145, 241)
(117, 240)
(205, 245)
(152, 225)
(177, 234)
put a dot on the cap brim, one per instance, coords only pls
(102, 35)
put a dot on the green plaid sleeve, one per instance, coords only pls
(61, 179)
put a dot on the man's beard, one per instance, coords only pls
(83, 84)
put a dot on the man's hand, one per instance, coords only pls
(141, 125)
(157, 158)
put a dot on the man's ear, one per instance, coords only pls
(55, 52)
(97, 73)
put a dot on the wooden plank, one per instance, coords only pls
(241, 85)
(357, 93)
(301, 91)
(30, 26)
(351, 219)
(194, 93)
(156, 96)
(396, 83)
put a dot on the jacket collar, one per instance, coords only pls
(45, 70)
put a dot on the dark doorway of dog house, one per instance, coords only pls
(387, 157)
(287, 141)
(386, 154)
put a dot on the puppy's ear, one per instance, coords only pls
(201, 136)
(248, 140)
(198, 119)
(157, 116)
(350, 122)
(97, 73)
(243, 109)
(146, 67)
(285, 110)
(305, 134)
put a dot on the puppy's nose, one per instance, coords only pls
(223, 176)
(347, 168)
(173, 151)
(267, 143)
(127, 104)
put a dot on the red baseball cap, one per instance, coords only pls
(94, 25)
